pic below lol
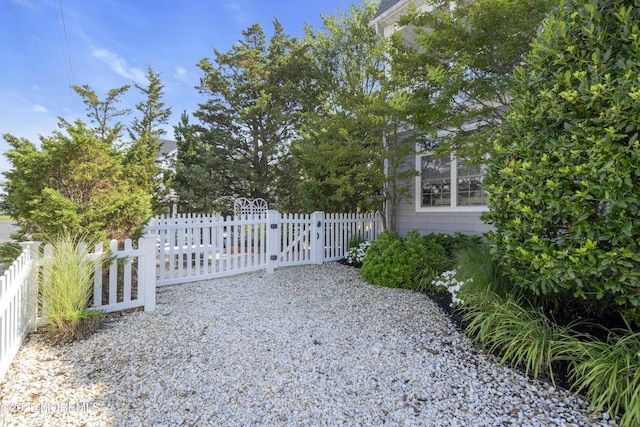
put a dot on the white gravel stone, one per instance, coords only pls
(311, 345)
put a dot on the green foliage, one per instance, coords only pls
(341, 144)
(392, 262)
(74, 182)
(85, 179)
(564, 177)
(461, 68)
(66, 286)
(435, 261)
(354, 128)
(145, 133)
(256, 93)
(609, 373)
(524, 336)
(8, 253)
(476, 263)
(200, 180)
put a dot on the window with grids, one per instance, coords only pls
(436, 181)
(470, 189)
(446, 182)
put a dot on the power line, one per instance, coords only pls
(66, 38)
(62, 33)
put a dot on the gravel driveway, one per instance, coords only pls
(304, 346)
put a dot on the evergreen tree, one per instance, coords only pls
(76, 182)
(79, 180)
(256, 93)
(201, 181)
(103, 112)
(145, 133)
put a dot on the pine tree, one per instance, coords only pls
(255, 94)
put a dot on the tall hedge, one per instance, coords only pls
(564, 181)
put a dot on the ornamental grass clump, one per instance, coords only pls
(522, 335)
(66, 286)
(608, 372)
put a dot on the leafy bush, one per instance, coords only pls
(392, 261)
(564, 179)
(65, 286)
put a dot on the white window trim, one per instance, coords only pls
(454, 191)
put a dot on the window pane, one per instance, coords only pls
(436, 181)
(470, 190)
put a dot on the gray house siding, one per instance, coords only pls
(408, 219)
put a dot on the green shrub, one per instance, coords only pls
(65, 288)
(435, 262)
(8, 253)
(392, 261)
(457, 242)
(564, 178)
(476, 262)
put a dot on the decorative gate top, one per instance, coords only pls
(250, 207)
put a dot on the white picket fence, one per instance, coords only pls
(182, 249)
(17, 312)
(200, 247)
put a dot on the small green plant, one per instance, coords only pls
(448, 282)
(609, 373)
(66, 285)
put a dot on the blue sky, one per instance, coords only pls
(48, 45)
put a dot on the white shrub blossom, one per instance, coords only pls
(448, 281)
(356, 254)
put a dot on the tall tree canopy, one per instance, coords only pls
(460, 66)
(256, 93)
(145, 133)
(343, 150)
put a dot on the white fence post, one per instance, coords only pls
(317, 237)
(147, 246)
(273, 240)
(31, 288)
